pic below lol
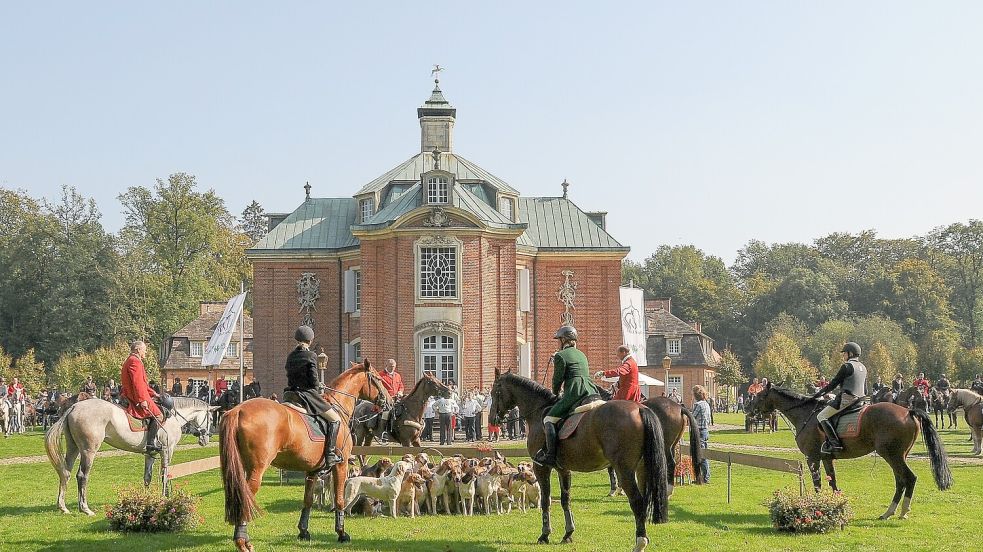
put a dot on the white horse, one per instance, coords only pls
(973, 407)
(5, 407)
(88, 423)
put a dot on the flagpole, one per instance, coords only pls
(242, 340)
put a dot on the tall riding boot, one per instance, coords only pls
(331, 456)
(832, 440)
(547, 455)
(152, 428)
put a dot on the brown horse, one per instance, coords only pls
(674, 418)
(973, 407)
(260, 433)
(407, 414)
(885, 428)
(622, 434)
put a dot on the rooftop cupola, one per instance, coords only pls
(436, 120)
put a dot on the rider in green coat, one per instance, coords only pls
(571, 374)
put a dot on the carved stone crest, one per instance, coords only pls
(436, 239)
(567, 294)
(439, 326)
(437, 219)
(308, 292)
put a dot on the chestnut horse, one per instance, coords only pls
(260, 433)
(623, 434)
(408, 414)
(973, 406)
(885, 428)
(674, 418)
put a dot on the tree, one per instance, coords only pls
(918, 298)
(880, 364)
(962, 249)
(30, 372)
(253, 222)
(823, 347)
(729, 371)
(103, 364)
(781, 361)
(969, 363)
(5, 362)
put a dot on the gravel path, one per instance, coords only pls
(103, 454)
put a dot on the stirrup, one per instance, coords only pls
(829, 448)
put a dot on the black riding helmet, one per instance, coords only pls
(851, 349)
(566, 331)
(305, 334)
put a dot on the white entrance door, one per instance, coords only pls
(439, 357)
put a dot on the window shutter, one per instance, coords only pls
(524, 289)
(525, 367)
(347, 348)
(349, 291)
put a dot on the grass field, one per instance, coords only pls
(32, 444)
(700, 517)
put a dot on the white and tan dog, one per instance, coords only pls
(413, 486)
(487, 486)
(385, 488)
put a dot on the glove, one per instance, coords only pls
(598, 374)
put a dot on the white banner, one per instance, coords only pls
(633, 322)
(215, 350)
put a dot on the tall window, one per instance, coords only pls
(196, 348)
(358, 290)
(440, 357)
(357, 351)
(233, 350)
(437, 189)
(673, 346)
(438, 272)
(505, 207)
(675, 382)
(365, 207)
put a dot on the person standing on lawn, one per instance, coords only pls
(701, 411)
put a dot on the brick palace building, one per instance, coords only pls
(183, 350)
(440, 265)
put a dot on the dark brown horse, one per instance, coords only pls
(909, 398)
(674, 418)
(622, 434)
(260, 433)
(885, 428)
(408, 414)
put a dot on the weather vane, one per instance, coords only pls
(435, 72)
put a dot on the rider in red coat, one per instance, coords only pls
(392, 380)
(134, 386)
(627, 373)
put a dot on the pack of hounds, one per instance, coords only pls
(415, 485)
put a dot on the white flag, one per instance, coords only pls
(633, 322)
(217, 345)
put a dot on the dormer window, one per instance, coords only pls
(437, 190)
(505, 207)
(366, 208)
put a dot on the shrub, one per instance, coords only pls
(140, 509)
(813, 513)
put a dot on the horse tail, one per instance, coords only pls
(53, 444)
(936, 450)
(695, 450)
(240, 503)
(656, 491)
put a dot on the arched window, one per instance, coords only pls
(439, 356)
(437, 190)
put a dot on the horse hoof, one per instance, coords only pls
(884, 517)
(88, 512)
(344, 537)
(613, 493)
(640, 544)
(567, 539)
(544, 539)
(304, 535)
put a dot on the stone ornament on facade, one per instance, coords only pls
(439, 327)
(308, 292)
(567, 294)
(436, 239)
(437, 219)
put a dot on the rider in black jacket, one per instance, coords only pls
(852, 378)
(304, 388)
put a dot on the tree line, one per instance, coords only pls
(73, 294)
(783, 311)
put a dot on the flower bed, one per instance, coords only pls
(140, 509)
(813, 513)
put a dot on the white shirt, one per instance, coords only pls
(471, 406)
(428, 410)
(444, 406)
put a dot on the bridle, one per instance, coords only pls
(382, 397)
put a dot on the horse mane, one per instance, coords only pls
(188, 402)
(529, 385)
(789, 394)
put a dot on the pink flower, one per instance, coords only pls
(808, 519)
(819, 514)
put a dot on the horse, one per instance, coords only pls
(885, 428)
(972, 405)
(407, 414)
(5, 405)
(939, 400)
(674, 418)
(623, 434)
(260, 433)
(909, 398)
(87, 424)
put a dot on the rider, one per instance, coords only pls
(304, 384)
(897, 386)
(133, 378)
(922, 384)
(977, 385)
(851, 377)
(627, 374)
(393, 382)
(572, 374)
(942, 384)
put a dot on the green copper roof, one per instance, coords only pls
(460, 198)
(319, 223)
(556, 223)
(411, 169)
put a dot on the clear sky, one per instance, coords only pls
(709, 123)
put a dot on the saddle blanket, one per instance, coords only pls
(314, 430)
(570, 424)
(136, 424)
(848, 425)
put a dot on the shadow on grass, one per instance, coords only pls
(40, 509)
(140, 541)
(330, 541)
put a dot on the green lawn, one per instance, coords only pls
(700, 517)
(32, 444)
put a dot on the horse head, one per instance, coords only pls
(373, 390)
(198, 414)
(435, 388)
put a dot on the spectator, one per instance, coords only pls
(740, 403)
(445, 409)
(674, 395)
(89, 387)
(755, 388)
(221, 386)
(701, 411)
(176, 387)
(468, 411)
(428, 415)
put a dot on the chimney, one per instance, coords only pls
(697, 326)
(662, 303)
(211, 307)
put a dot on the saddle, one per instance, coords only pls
(315, 425)
(568, 426)
(139, 424)
(847, 422)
